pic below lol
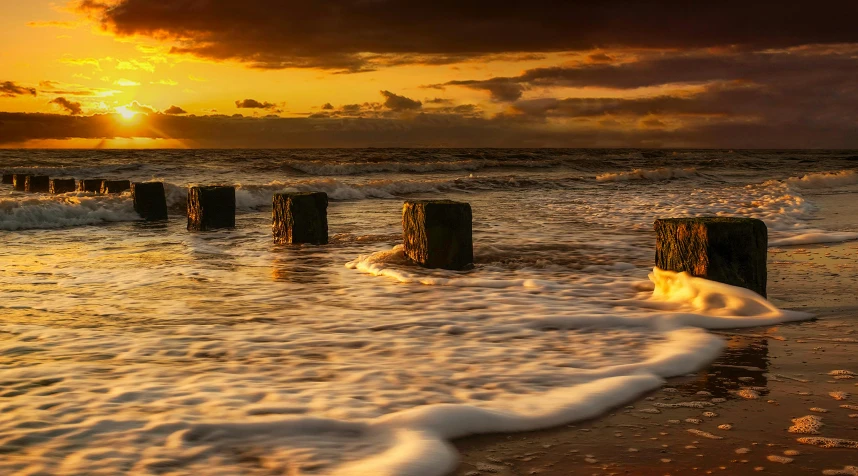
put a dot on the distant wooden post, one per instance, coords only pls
(724, 249)
(211, 207)
(62, 186)
(19, 181)
(438, 233)
(90, 185)
(8, 179)
(150, 201)
(301, 218)
(115, 186)
(37, 184)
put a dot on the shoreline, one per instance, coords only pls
(786, 365)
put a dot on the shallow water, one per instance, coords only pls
(133, 347)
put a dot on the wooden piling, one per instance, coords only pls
(62, 186)
(438, 233)
(150, 201)
(37, 184)
(115, 186)
(300, 218)
(724, 249)
(19, 181)
(7, 179)
(90, 185)
(211, 207)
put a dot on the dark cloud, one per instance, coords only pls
(396, 102)
(500, 89)
(360, 34)
(8, 89)
(73, 108)
(254, 104)
(137, 107)
(175, 110)
(327, 106)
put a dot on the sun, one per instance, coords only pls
(126, 113)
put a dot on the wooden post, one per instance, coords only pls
(8, 179)
(150, 201)
(438, 233)
(19, 181)
(90, 185)
(115, 186)
(301, 218)
(62, 186)
(724, 249)
(211, 207)
(37, 184)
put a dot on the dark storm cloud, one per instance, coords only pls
(175, 110)
(254, 104)
(696, 67)
(73, 108)
(396, 102)
(357, 34)
(8, 89)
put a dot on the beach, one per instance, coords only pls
(795, 370)
(144, 348)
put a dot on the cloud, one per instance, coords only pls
(126, 82)
(254, 104)
(396, 102)
(9, 89)
(94, 62)
(165, 82)
(327, 106)
(175, 110)
(356, 35)
(137, 107)
(134, 65)
(53, 24)
(73, 108)
(500, 89)
(64, 89)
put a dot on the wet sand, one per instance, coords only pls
(790, 369)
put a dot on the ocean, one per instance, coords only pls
(142, 348)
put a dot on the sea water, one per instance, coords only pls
(132, 347)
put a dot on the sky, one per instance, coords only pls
(416, 73)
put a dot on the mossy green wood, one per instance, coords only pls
(62, 186)
(211, 207)
(300, 218)
(19, 181)
(150, 200)
(438, 233)
(37, 184)
(729, 250)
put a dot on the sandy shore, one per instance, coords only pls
(766, 377)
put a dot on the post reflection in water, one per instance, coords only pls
(302, 266)
(743, 364)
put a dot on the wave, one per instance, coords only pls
(44, 212)
(825, 179)
(665, 173)
(357, 168)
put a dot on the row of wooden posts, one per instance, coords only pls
(439, 233)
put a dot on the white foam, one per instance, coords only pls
(25, 212)
(825, 179)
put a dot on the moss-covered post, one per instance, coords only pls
(62, 186)
(150, 200)
(90, 185)
(115, 186)
(211, 207)
(438, 233)
(8, 179)
(19, 181)
(724, 249)
(300, 218)
(37, 184)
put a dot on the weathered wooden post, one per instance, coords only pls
(115, 186)
(211, 207)
(19, 181)
(37, 184)
(301, 218)
(724, 249)
(62, 186)
(8, 179)
(90, 185)
(438, 233)
(150, 201)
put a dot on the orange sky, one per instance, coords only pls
(543, 76)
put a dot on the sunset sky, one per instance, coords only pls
(340, 73)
